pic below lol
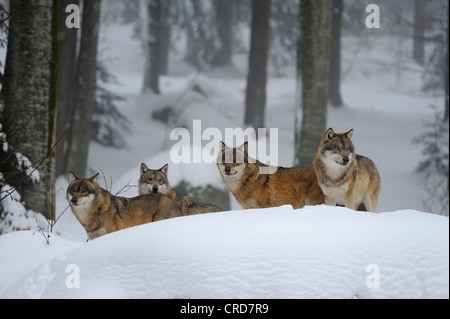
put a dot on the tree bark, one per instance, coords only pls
(446, 84)
(153, 46)
(86, 79)
(419, 31)
(335, 67)
(29, 94)
(164, 36)
(255, 99)
(67, 40)
(223, 11)
(313, 67)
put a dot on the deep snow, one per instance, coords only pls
(315, 252)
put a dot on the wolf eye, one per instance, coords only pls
(160, 180)
(84, 192)
(149, 179)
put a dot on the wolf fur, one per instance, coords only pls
(101, 213)
(188, 207)
(152, 181)
(156, 181)
(252, 189)
(345, 177)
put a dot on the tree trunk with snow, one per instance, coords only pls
(86, 79)
(313, 68)
(29, 96)
(255, 99)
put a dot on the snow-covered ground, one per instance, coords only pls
(315, 252)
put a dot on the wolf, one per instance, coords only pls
(345, 177)
(101, 213)
(156, 181)
(188, 207)
(253, 189)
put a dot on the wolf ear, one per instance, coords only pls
(329, 133)
(165, 169)
(72, 177)
(144, 169)
(223, 146)
(349, 134)
(244, 147)
(94, 179)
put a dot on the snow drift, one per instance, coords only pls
(314, 252)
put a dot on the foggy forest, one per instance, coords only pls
(101, 86)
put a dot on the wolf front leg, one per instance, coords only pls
(349, 200)
(330, 201)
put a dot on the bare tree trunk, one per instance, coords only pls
(419, 31)
(446, 89)
(153, 46)
(255, 99)
(67, 39)
(335, 67)
(86, 79)
(164, 37)
(313, 67)
(223, 10)
(29, 94)
(446, 112)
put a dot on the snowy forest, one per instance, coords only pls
(100, 86)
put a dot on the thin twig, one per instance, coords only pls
(38, 165)
(11, 15)
(125, 186)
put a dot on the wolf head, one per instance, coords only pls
(337, 149)
(233, 161)
(154, 180)
(82, 193)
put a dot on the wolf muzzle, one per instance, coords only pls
(345, 160)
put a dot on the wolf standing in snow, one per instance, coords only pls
(156, 181)
(286, 186)
(345, 177)
(101, 213)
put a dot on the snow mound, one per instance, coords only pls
(23, 251)
(315, 252)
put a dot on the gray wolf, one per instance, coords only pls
(252, 189)
(156, 181)
(345, 177)
(101, 213)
